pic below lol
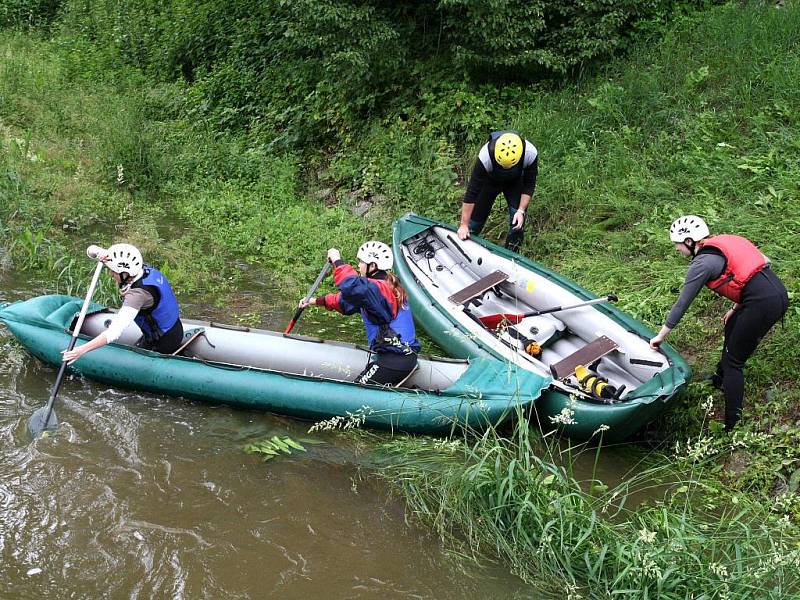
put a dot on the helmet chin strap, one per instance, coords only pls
(126, 281)
(691, 245)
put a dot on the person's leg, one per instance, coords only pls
(171, 340)
(730, 375)
(743, 332)
(716, 378)
(482, 208)
(515, 237)
(387, 369)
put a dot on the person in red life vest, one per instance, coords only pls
(376, 293)
(734, 268)
(509, 164)
(147, 300)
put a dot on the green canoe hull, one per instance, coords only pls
(487, 392)
(623, 419)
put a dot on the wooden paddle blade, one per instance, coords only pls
(494, 321)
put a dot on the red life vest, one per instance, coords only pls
(742, 261)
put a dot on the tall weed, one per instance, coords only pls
(492, 495)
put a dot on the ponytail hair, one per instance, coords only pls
(397, 289)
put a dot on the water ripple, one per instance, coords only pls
(142, 496)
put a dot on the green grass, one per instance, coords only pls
(703, 121)
(493, 496)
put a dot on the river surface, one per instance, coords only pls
(144, 496)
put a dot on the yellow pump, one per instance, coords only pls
(594, 384)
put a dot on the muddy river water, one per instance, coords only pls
(144, 496)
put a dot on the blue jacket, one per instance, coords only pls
(389, 327)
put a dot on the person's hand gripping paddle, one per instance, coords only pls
(45, 417)
(310, 293)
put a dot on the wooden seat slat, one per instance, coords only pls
(476, 288)
(583, 356)
(185, 345)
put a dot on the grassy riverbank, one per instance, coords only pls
(575, 537)
(705, 121)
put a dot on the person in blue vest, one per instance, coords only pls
(509, 164)
(377, 295)
(733, 267)
(147, 300)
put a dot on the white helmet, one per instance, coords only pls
(378, 253)
(125, 258)
(688, 227)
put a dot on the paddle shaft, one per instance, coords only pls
(536, 313)
(310, 293)
(493, 321)
(459, 248)
(75, 332)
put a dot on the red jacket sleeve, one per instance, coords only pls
(331, 301)
(341, 272)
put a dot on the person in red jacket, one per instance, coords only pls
(733, 267)
(377, 295)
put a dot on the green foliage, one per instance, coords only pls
(269, 448)
(312, 70)
(82, 162)
(511, 41)
(496, 496)
(703, 122)
(28, 13)
(290, 69)
(378, 166)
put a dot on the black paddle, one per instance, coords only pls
(310, 293)
(45, 417)
(492, 321)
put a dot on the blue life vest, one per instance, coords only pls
(399, 336)
(162, 316)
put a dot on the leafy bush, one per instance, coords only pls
(295, 70)
(28, 13)
(312, 70)
(510, 41)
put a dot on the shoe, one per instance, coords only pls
(713, 378)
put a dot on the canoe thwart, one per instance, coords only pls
(476, 288)
(583, 356)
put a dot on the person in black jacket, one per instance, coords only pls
(509, 164)
(733, 267)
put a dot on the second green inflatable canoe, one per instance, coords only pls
(455, 286)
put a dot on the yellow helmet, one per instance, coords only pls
(508, 150)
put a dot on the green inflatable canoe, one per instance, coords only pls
(292, 375)
(601, 373)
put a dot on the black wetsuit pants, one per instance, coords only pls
(387, 368)
(764, 302)
(167, 343)
(483, 206)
